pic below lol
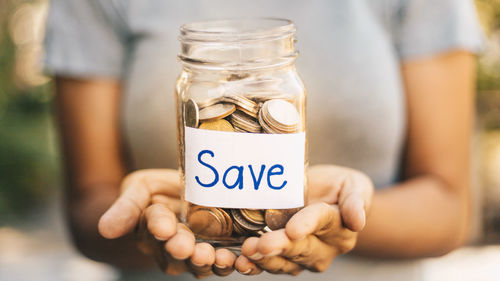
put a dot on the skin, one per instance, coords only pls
(427, 214)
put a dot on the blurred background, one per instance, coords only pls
(33, 244)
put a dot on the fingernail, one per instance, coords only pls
(220, 266)
(197, 264)
(274, 253)
(246, 271)
(257, 256)
(159, 238)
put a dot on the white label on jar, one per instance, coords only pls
(238, 170)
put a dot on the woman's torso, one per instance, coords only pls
(355, 106)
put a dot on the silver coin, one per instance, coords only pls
(245, 122)
(191, 114)
(268, 129)
(243, 223)
(282, 113)
(216, 111)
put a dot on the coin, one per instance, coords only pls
(217, 125)
(210, 222)
(282, 113)
(239, 130)
(227, 222)
(265, 126)
(243, 223)
(253, 216)
(242, 103)
(276, 219)
(281, 116)
(191, 113)
(216, 111)
(239, 230)
(245, 122)
(206, 222)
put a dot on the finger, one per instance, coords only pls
(224, 262)
(289, 256)
(354, 199)
(149, 245)
(244, 266)
(138, 188)
(146, 243)
(202, 260)
(272, 264)
(173, 204)
(181, 245)
(317, 219)
(161, 222)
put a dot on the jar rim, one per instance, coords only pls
(236, 29)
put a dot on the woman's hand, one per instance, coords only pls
(339, 199)
(149, 203)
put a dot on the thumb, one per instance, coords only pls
(354, 200)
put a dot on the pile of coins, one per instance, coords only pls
(210, 222)
(251, 113)
(237, 113)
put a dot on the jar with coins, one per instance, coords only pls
(241, 128)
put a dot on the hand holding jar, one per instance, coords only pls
(242, 159)
(327, 227)
(150, 203)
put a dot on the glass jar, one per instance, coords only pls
(241, 128)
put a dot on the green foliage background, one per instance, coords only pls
(28, 159)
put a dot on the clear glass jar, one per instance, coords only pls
(241, 128)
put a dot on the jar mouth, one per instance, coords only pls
(238, 44)
(236, 30)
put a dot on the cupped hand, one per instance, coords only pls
(149, 204)
(338, 200)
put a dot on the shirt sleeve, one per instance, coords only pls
(428, 27)
(85, 38)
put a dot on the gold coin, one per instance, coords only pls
(191, 114)
(227, 222)
(216, 111)
(217, 125)
(205, 222)
(276, 219)
(253, 216)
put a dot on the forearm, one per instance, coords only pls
(417, 218)
(83, 213)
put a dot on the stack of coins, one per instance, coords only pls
(248, 221)
(279, 117)
(251, 113)
(246, 105)
(210, 222)
(244, 123)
